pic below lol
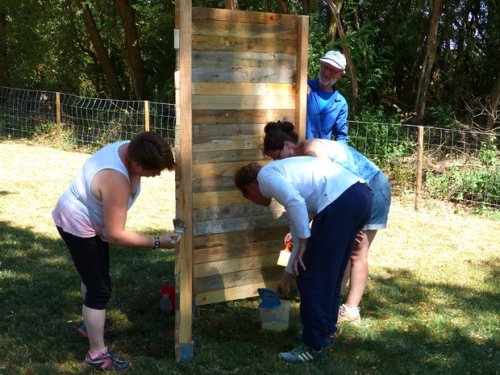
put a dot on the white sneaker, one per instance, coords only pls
(346, 315)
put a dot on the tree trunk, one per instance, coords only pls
(335, 8)
(283, 5)
(131, 50)
(100, 51)
(354, 81)
(4, 71)
(430, 56)
(231, 4)
(307, 6)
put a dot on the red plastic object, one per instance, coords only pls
(170, 291)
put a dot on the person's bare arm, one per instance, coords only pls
(113, 190)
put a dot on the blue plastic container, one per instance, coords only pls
(274, 312)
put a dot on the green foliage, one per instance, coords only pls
(45, 128)
(488, 155)
(468, 181)
(47, 47)
(380, 137)
(372, 64)
(319, 41)
(442, 116)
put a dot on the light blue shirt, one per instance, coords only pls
(350, 158)
(304, 185)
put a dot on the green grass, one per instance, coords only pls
(431, 306)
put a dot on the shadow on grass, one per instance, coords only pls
(410, 326)
(40, 308)
(427, 327)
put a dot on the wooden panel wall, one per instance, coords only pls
(248, 68)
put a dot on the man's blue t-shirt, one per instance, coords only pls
(326, 114)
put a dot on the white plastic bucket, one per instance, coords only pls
(274, 312)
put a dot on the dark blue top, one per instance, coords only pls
(326, 114)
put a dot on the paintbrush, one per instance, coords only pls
(179, 227)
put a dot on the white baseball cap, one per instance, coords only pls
(335, 59)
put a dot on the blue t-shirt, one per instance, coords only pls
(326, 114)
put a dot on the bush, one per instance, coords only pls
(442, 116)
(383, 140)
(477, 181)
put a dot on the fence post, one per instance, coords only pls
(420, 163)
(146, 115)
(58, 116)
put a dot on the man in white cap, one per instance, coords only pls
(326, 107)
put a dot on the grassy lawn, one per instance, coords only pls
(431, 307)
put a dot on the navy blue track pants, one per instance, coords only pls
(329, 248)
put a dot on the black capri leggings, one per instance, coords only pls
(91, 259)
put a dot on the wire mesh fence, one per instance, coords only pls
(87, 122)
(457, 165)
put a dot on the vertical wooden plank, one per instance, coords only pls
(301, 76)
(420, 163)
(146, 116)
(184, 279)
(58, 116)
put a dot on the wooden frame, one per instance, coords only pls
(237, 70)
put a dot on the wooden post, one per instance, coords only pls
(184, 278)
(58, 117)
(420, 163)
(301, 84)
(146, 115)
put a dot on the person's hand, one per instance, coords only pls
(169, 240)
(360, 237)
(298, 258)
(298, 262)
(288, 241)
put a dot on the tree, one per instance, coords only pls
(100, 50)
(492, 102)
(398, 58)
(428, 64)
(231, 4)
(335, 10)
(131, 47)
